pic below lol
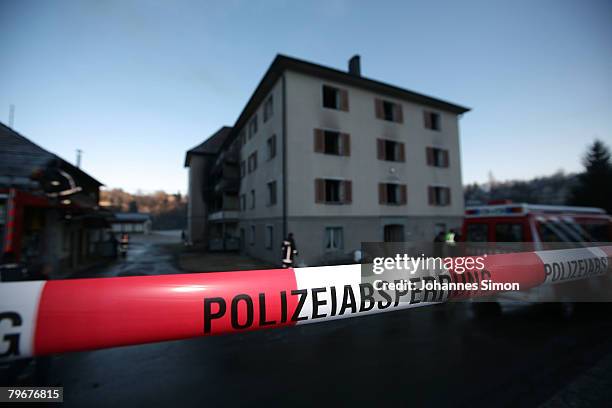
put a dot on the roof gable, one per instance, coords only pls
(212, 145)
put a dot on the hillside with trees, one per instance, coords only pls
(168, 211)
(592, 188)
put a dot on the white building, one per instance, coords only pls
(337, 159)
(126, 222)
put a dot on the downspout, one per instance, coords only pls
(284, 157)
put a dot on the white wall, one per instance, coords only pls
(305, 112)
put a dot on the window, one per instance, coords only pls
(330, 191)
(387, 110)
(242, 168)
(392, 194)
(252, 199)
(437, 157)
(508, 232)
(332, 142)
(268, 109)
(3, 218)
(334, 98)
(252, 163)
(271, 147)
(252, 235)
(595, 231)
(272, 193)
(431, 120)
(252, 127)
(334, 238)
(269, 236)
(477, 232)
(243, 202)
(390, 150)
(439, 196)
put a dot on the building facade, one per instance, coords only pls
(338, 159)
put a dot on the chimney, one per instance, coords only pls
(354, 67)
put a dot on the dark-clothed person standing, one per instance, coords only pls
(289, 251)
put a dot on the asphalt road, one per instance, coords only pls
(434, 356)
(152, 254)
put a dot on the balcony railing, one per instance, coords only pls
(224, 215)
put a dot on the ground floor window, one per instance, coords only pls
(334, 238)
(269, 236)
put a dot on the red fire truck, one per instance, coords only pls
(509, 222)
(509, 227)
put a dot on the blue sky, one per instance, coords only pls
(134, 84)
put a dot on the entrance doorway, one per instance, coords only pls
(394, 233)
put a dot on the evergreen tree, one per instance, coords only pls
(594, 187)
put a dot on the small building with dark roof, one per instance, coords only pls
(131, 222)
(49, 214)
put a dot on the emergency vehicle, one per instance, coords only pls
(509, 222)
(535, 227)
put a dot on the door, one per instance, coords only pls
(394, 233)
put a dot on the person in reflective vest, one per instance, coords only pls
(289, 251)
(450, 237)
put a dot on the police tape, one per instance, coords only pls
(39, 318)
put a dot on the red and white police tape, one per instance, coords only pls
(44, 317)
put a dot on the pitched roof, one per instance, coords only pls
(212, 145)
(20, 158)
(131, 217)
(283, 62)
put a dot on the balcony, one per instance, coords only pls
(224, 215)
(228, 185)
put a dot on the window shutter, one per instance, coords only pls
(382, 193)
(430, 156)
(319, 190)
(380, 149)
(319, 141)
(432, 195)
(402, 152)
(446, 159)
(348, 192)
(344, 102)
(448, 194)
(403, 194)
(378, 104)
(346, 144)
(399, 114)
(427, 119)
